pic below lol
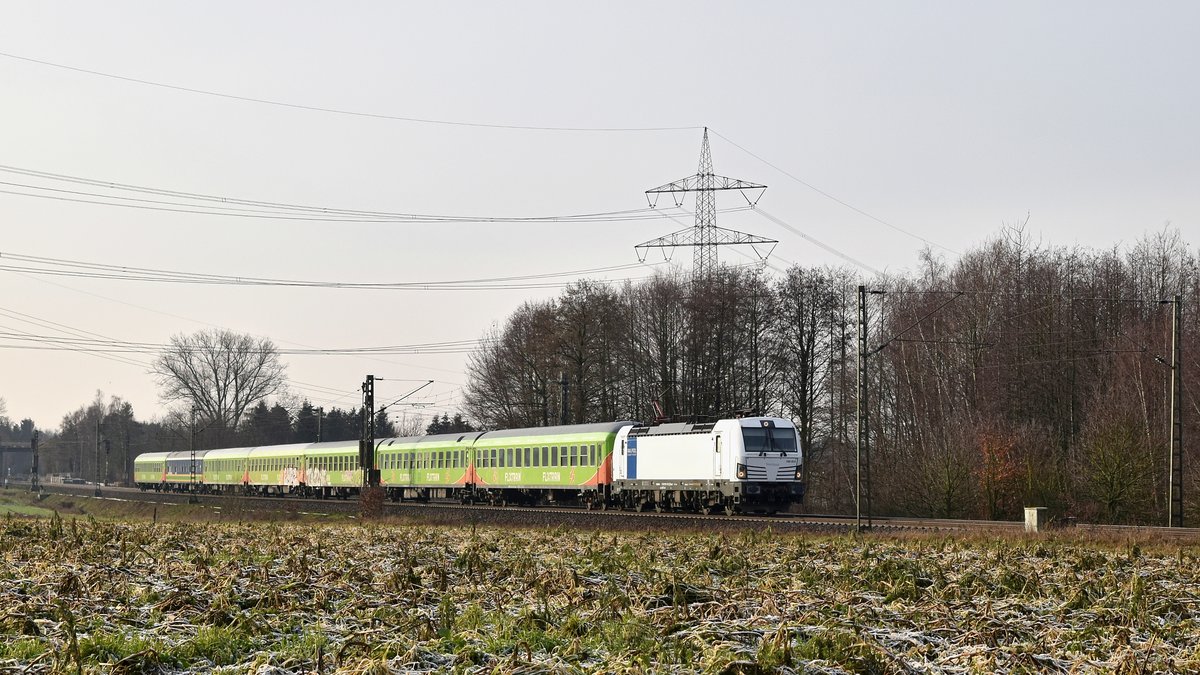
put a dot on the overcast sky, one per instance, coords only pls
(943, 121)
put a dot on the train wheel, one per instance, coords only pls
(706, 509)
(730, 509)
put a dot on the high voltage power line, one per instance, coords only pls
(42, 265)
(111, 346)
(220, 205)
(338, 111)
(485, 125)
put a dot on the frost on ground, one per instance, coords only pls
(279, 599)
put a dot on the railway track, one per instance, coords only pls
(454, 513)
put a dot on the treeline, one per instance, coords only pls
(1018, 374)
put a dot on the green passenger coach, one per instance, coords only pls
(554, 464)
(426, 467)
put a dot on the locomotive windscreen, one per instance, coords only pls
(769, 439)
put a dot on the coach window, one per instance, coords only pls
(592, 455)
(574, 455)
(563, 461)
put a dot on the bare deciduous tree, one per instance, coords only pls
(220, 373)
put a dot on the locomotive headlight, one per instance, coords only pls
(741, 471)
(799, 472)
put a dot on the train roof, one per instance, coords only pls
(187, 454)
(329, 447)
(150, 457)
(704, 427)
(467, 437)
(226, 453)
(289, 450)
(562, 430)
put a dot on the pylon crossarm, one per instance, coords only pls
(717, 236)
(696, 182)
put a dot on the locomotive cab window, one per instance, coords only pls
(769, 439)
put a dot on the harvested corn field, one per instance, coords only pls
(91, 596)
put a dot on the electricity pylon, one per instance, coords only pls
(705, 236)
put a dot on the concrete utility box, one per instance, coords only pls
(1036, 518)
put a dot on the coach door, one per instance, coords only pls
(717, 463)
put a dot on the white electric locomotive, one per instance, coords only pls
(746, 464)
